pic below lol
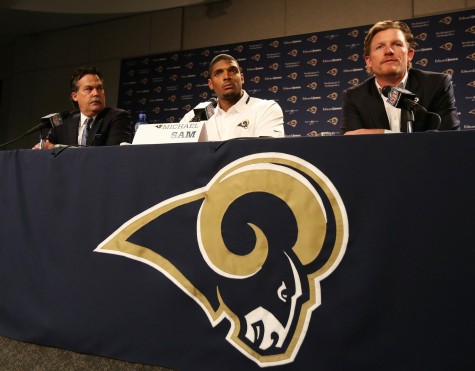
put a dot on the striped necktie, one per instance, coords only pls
(85, 131)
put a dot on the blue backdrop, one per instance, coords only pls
(305, 73)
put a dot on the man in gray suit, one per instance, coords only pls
(388, 51)
(93, 124)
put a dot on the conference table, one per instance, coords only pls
(303, 253)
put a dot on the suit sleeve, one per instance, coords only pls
(120, 129)
(444, 105)
(351, 116)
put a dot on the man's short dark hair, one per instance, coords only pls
(80, 73)
(221, 57)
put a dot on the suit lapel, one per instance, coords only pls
(376, 106)
(96, 128)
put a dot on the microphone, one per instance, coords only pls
(401, 98)
(50, 121)
(204, 110)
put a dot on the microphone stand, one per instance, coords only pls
(42, 142)
(410, 120)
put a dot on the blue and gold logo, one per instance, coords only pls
(259, 271)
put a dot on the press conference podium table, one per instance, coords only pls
(399, 295)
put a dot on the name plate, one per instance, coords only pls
(171, 133)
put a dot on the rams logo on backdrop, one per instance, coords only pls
(471, 29)
(447, 46)
(423, 62)
(446, 20)
(260, 272)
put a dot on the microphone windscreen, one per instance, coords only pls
(386, 90)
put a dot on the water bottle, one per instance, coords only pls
(142, 120)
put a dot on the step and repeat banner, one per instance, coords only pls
(306, 74)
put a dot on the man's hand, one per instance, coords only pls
(46, 145)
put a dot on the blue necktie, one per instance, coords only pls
(85, 131)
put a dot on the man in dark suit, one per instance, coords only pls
(93, 124)
(388, 50)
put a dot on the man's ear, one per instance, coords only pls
(74, 96)
(210, 84)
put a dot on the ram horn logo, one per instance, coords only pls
(146, 61)
(293, 52)
(131, 73)
(274, 89)
(274, 44)
(187, 107)
(239, 48)
(292, 99)
(234, 253)
(333, 71)
(189, 65)
(447, 46)
(471, 84)
(471, 56)
(244, 124)
(313, 39)
(173, 77)
(449, 71)
(354, 57)
(142, 101)
(172, 98)
(292, 123)
(188, 86)
(256, 57)
(203, 95)
(205, 52)
(157, 89)
(471, 29)
(333, 121)
(312, 85)
(256, 79)
(129, 92)
(156, 110)
(472, 112)
(312, 133)
(174, 57)
(423, 62)
(446, 20)
(333, 48)
(333, 96)
(204, 74)
(354, 81)
(313, 62)
(422, 36)
(353, 33)
(293, 75)
(159, 69)
(171, 119)
(274, 66)
(312, 110)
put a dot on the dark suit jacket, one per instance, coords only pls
(111, 127)
(363, 106)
